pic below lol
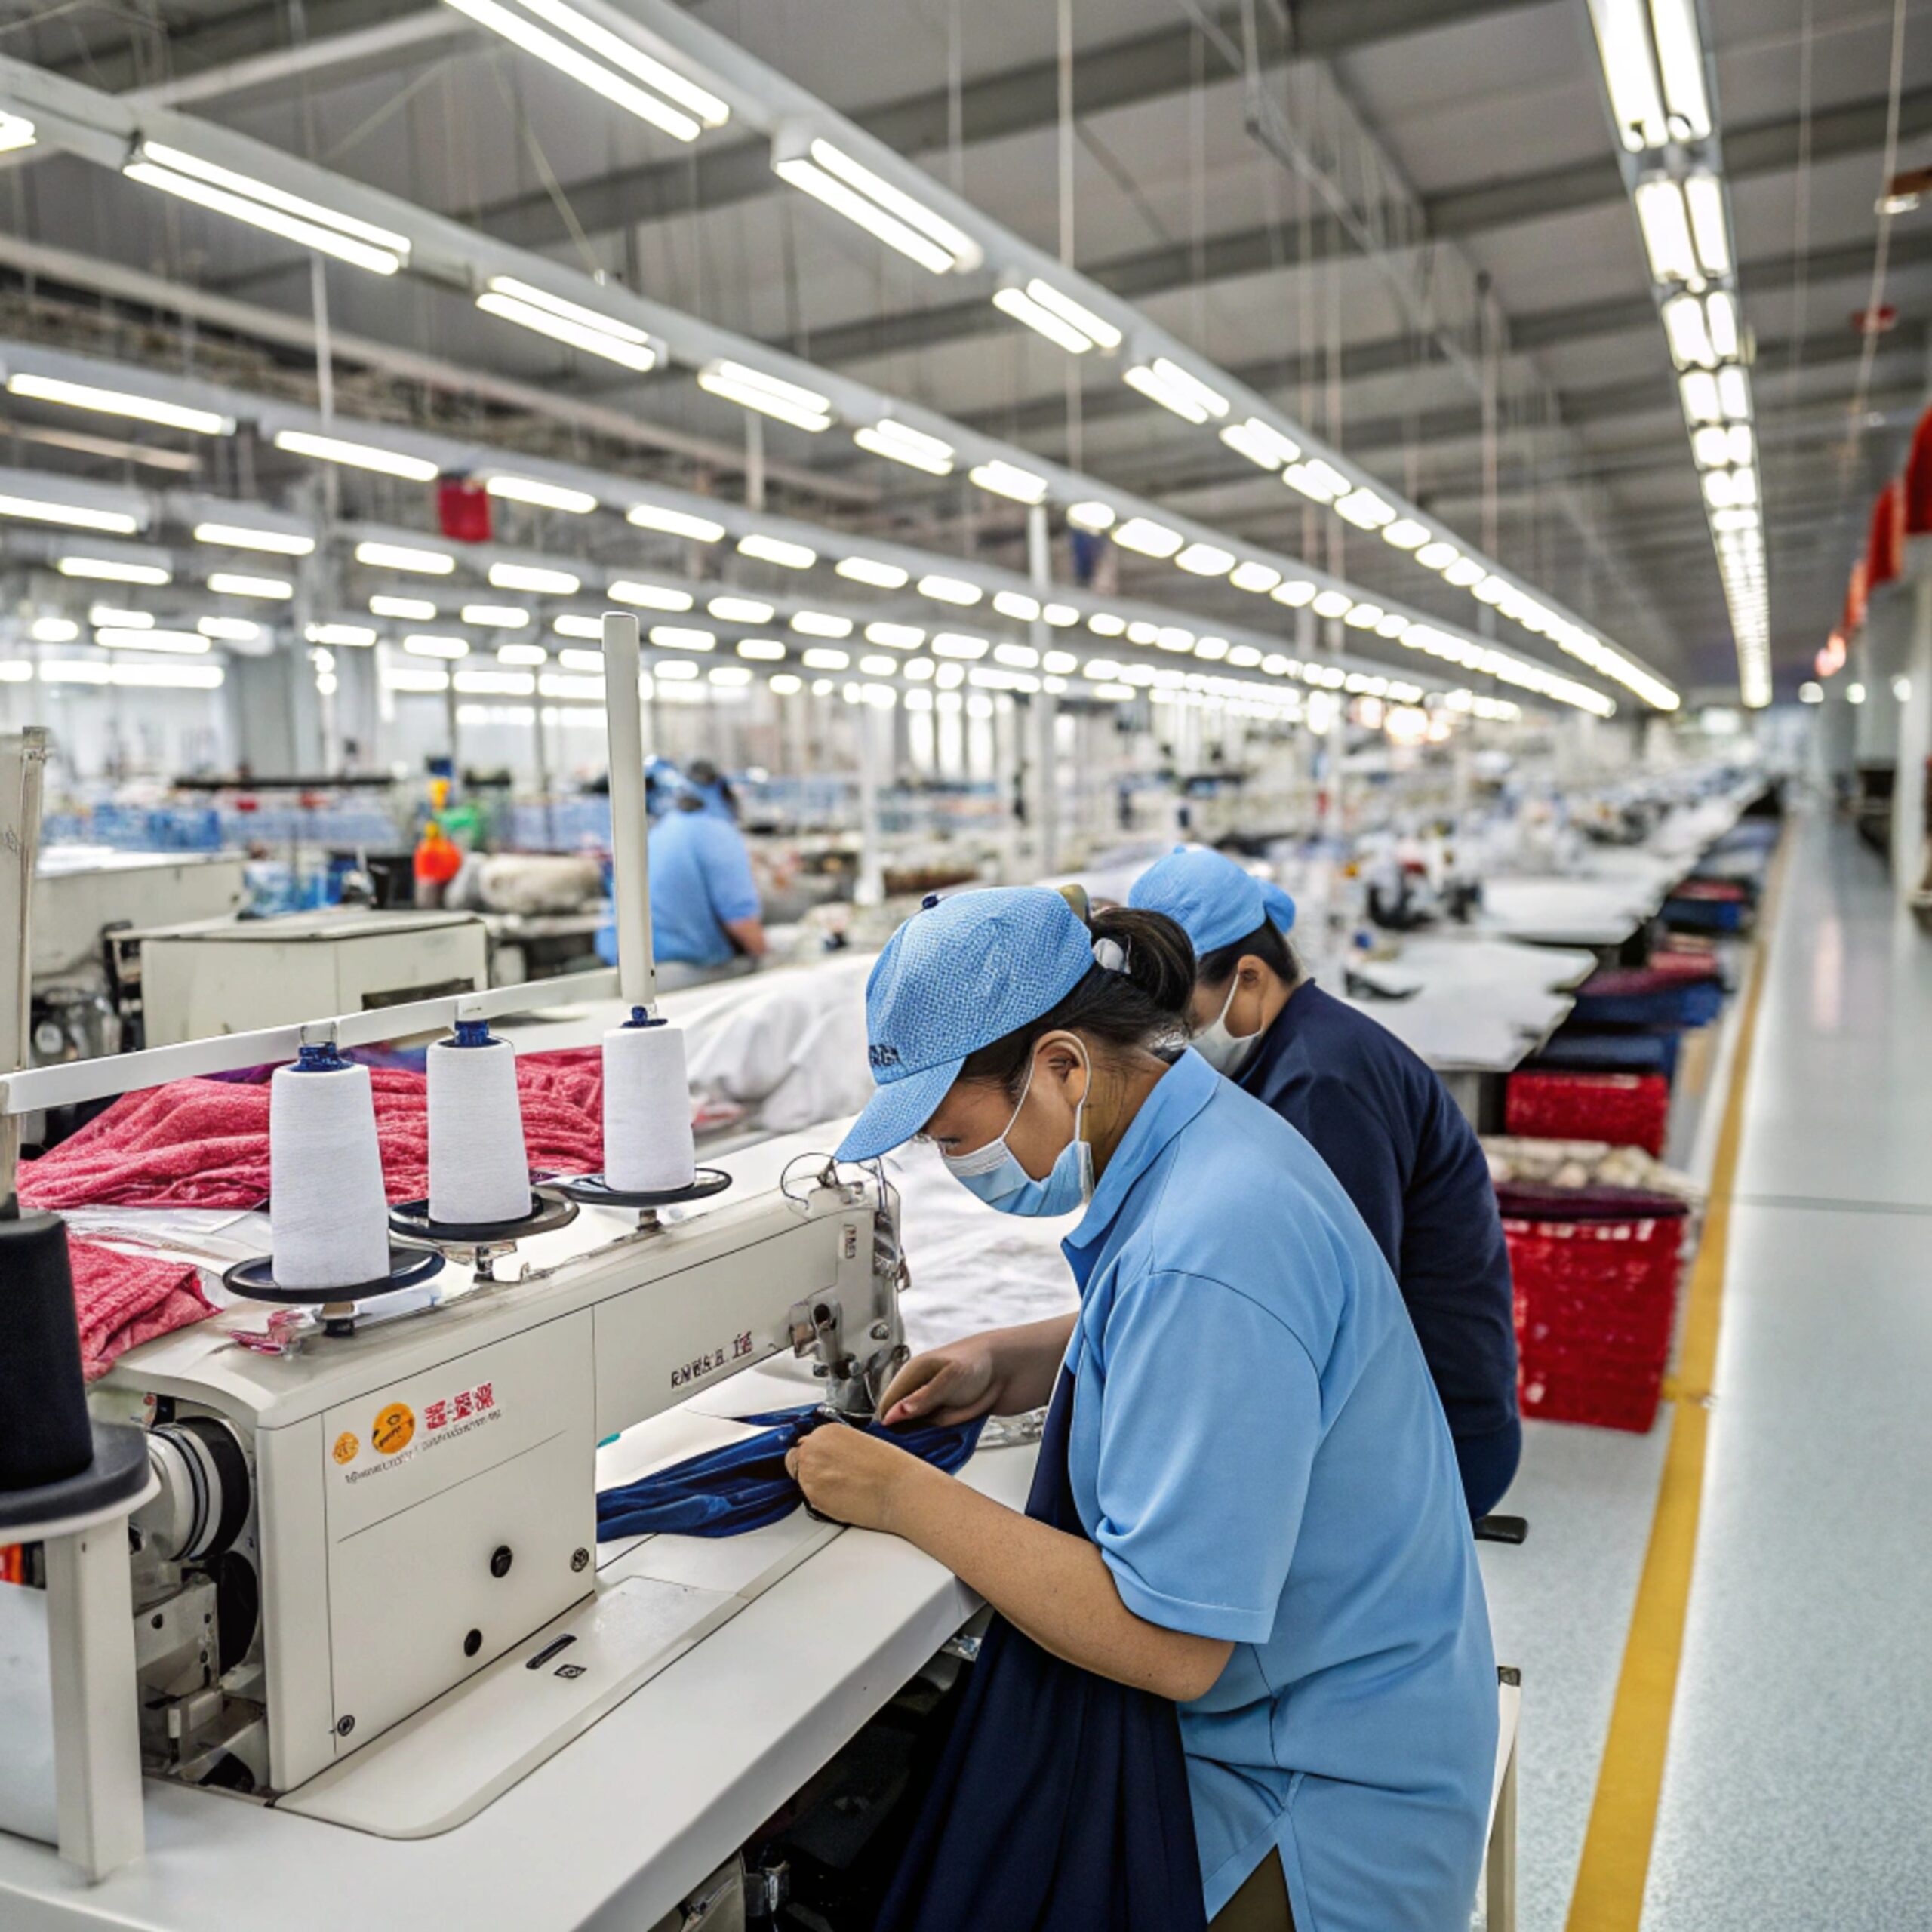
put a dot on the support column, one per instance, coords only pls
(1908, 787)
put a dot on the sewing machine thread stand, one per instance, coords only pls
(594, 1191)
(480, 1244)
(254, 1279)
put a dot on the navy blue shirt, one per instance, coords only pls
(1411, 1163)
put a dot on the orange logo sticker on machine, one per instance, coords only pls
(347, 1448)
(393, 1428)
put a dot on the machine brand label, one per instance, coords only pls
(390, 1432)
(711, 1362)
(399, 1433)
(347, 1446)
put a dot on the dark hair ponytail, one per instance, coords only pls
(1135, 1007)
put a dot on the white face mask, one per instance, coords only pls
(994, 1173)
(1226, 1052)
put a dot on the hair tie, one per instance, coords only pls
(1110, 955)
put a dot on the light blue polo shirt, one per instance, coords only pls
(700, 878)
(1258, 1452)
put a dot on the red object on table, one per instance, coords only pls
(1626, 1109)
(1595, 1304)
(122, 1300)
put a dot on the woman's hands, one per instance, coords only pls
(1004, 1371)
(854, 1477)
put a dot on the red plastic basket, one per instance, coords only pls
(1596, 1302)
(1627, 1110)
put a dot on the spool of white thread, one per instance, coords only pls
(647, 1147)
(479, 1172)
(328, 1217)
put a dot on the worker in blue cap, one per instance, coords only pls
(706, 918)
(1260, 1519)
(1384, 1123)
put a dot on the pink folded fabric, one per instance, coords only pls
(123, 1300)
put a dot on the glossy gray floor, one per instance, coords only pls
(1798, 1790)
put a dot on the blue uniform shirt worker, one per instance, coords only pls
(1385, 1125)
(1275, 1535)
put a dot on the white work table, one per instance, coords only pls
(621, 1823)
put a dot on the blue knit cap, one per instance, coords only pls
(1210, 898)
(959, 974)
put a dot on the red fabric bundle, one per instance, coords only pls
(123, 1300)
(1626, 1109)
(204, 1143)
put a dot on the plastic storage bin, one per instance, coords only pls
(1627, 1110)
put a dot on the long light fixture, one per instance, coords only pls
(540, 495)
(1008, 479)
(604, 61)
(328, 231)
(402, 557)
(1261, 443)
(356, 456)
(648, 596)
(537, 579)
(178, 643)
(76, 516)
(1653, 69)
(874, 571)
(117, 402)
(829, 175)
(410, 610)
(254, 536)
(536, 309)
(17, 132)
(1051, 312)
(673, 523)
(777, 550)
(769, 395)
(113, 569)
(913, 447)
(234, 584)
(229, 630)
(1164, 381)
(1151, 539)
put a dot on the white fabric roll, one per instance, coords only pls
(647, 1147)
(328, 1217)
(478, 1170)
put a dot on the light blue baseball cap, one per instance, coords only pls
(959, 974)
(1210, 898)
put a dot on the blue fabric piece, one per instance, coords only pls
(745, 1486)
(700, 881)
(1060, 1803)
(1210, 898)
(1257, 1449)
(1583, 1052)
(1408, 1158)
(960, 973)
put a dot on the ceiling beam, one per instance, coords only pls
(1017, 100)
(1765, 148)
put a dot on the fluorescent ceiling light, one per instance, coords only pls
(1623, 45)
(1684, 330)
(777, 550)
(763, 649)
(957, 644)
(357, 455)
(1710, 446)
(1142, 631)
(399, 557)
(1333, 603)
(729, 674)
(1174, 637)
(1008, 479)
(1296, 592)
(739, 610)
(17, 132)
(177, 643)
(54, 630)
(424, 645)
(1720, 311)
(1104, 623)
(1317, 479)
(1206, 560)
(822, 659)
(1405, 534)
(113, 570)
(1681, 60)
(1015, 604)
(496, 684)
(880, 667)
(1699, 390)
(1734, 394)
(913, 447)
(1151, 539)
(570, 625)
(415, 609)
(900, 637)
(1213, 649)
(1091, 516)
(950, 589)
(633, 80)
(1704, 195)
(495, 616)
(870, 570)
(261, 204)
(229, 630)
(117, 402)
(770, 396)
(1061, 615)
(1058, 317)
(521, 653)
(535, 579)
(544, 496)
(1364, 509)
(359, 636)
(106, 616)
(1464, 572)
(1260, 443)
(1019, 656)
(35, 510)
(847, 187)
(674, 669)
(1164, 381)
(820, 623)
(677, 637)
(1666, 227)
(1363, 616)
(233, 584)
(673, 523)
(1393, 625)
(568, 322)
(246, 536)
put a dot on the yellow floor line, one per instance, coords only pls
(1615, 1864)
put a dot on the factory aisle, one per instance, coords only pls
(1797, 1785)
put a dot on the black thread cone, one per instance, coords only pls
(45, 1436)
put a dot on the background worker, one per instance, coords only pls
(1385, 1125)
